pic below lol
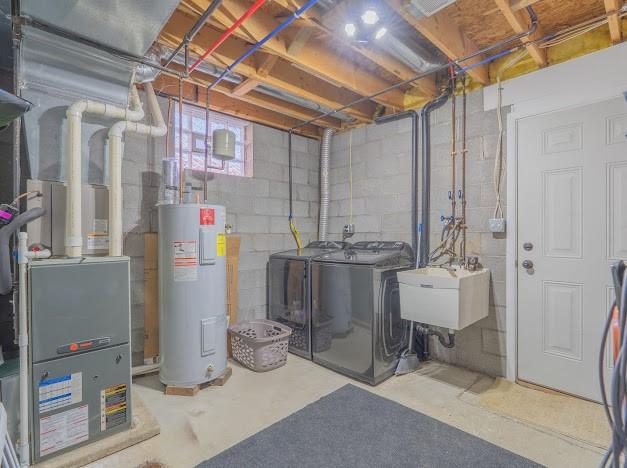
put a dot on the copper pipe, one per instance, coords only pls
(453, 148)
(181, 169)
(464, 150)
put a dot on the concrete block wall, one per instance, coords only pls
(381, 205)
(256, 207)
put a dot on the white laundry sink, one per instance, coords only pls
(446, 298)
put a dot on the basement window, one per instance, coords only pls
(193, 133)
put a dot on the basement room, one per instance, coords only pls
(313, 233)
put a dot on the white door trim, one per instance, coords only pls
(529, 97)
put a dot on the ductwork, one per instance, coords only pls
(115, 163)
(325, 154)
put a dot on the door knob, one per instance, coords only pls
(527, 264)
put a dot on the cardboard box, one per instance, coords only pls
(232, 260)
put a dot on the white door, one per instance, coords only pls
(572, 224)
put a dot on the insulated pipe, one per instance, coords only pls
(259, 44)
(325, 151)
(227, 33)
(423, 255)
(22, 261)
(73, 219)
(414, 170)
(116, 132)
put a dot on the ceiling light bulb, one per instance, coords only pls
(380, 33)
(350, 29)
(370, 17)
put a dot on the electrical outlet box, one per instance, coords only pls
(497, 224)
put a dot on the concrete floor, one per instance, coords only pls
(195, 429)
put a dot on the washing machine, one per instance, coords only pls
(289, 291)
(355, 294)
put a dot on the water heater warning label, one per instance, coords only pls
(185, 260)
(221, 244)
(207, 216)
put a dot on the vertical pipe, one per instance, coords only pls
(464, 150)
(453, 151)
(423, 260)
(24, 448)
(73, 228)
(325, 150)
(181, 168)
(204, 187)
(115, 193)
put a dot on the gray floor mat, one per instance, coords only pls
(352, 427)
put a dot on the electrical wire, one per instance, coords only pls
(614, 402)
(350, 176)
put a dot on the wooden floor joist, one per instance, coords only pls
(314, 56)
(445, 35)
(224, 103)
(520, 23)
(613, 20)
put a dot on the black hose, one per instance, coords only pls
(414, 171)
(423, 254)
(6, 282)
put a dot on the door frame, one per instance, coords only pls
(538, 93)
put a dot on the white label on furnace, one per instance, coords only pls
(61, 391)
(185, 260)
(98, 238)
(63, 430)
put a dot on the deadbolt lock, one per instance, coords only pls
(528, 246)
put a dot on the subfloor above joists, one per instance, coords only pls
(228, 105)
(284, 76)
(314, 56)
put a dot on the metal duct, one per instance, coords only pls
(130, 26)
(325, 152)
(210, 69)
(57, 71)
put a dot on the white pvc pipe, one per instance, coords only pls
(73, 220)
(116, 133)
(22, 260)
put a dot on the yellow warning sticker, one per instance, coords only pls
(221, 244)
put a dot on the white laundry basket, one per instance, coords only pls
(8, 457)
(260, 345)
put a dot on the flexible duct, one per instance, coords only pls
(116, 133)
(423, 254)
(73, 220)
(325, 152)
(6, 280)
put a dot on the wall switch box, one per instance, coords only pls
(497, 224)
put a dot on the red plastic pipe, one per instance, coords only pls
(227, 33)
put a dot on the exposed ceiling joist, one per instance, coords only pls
(446, 36)
(250, 83)
(613, 20)
(321, 22)
(519, 23)
(515, 5)
(314, 57)
(228, 105)
(284, 76)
